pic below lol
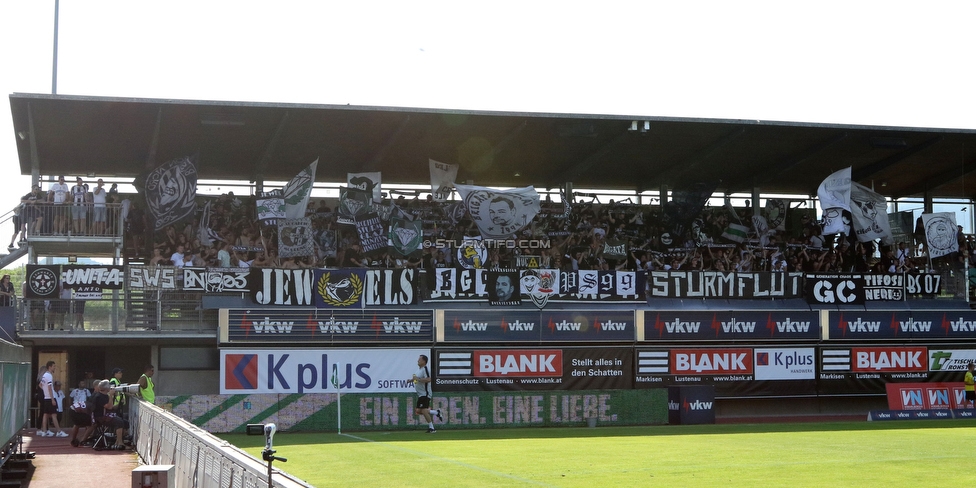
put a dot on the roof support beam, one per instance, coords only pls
(154, 143)
(34, 158)
(869, 170)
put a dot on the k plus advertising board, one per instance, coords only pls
(533, 369)
(288, 371)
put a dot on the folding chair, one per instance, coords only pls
(104, 434)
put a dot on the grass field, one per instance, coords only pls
(804, 454)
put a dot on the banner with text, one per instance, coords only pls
(304, 325)
(564, 368)
(88, 281)
(727, 325)
(535, 326)
(717, 284)
(579, 286)
(325, 288)
(309, 371)
(901, 324)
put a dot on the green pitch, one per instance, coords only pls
(825, 454)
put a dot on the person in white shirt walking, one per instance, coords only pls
(421, 382)
(49, 407)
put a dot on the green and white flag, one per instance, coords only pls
(736, 232)
(405, 236)
(297, 191)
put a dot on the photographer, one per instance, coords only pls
(104, 412)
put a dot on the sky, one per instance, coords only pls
(888, 63)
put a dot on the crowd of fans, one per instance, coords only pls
(566, 239)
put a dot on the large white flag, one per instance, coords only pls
(940, 233)
(835, 194)
(297, 191)
(869, 214)
(367, 182)
(442, 177)
(500, 213)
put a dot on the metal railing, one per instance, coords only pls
(68, 219)
(201, 459)
(166, 311)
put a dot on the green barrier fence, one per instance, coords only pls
(462, 410)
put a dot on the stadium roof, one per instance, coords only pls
(273, 141)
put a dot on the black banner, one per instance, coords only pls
(717, 284)
(216, 280)
(152, 277)
(835, 289)
(47, 281)
(577, 286)
(534, 369)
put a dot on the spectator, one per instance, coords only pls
(58, 195)
(99, 210)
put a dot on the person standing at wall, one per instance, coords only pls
(970, 386)
(116, 381)
(8, 296)
(147, 390)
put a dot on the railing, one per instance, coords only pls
(157, 310)
(201, 460)
(78, 220)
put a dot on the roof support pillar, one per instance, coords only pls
(35, 160)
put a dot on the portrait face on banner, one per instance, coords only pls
(503, 288)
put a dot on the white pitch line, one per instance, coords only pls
(466, 465)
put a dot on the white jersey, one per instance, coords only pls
(98, 196)
(423, 389)
(60, 192)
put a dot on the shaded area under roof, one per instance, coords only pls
(272, 142)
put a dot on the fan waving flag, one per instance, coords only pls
(170, 191)
(834, 194)
(940, 233)
(869, 214)
(297, 191)
(442, 176)
(368, 182)
(500, 213)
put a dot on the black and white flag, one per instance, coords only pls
(940, 233)
(205, 233)
(371, 233)
(295, 238)
(504, 288)
(500, 213)
(170, 191)
(869, 214)
(834, 194)
(442, 177)
(367, 182)
(353, 204)
(270, 206)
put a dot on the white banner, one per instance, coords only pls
(442, 177)
(869, 214)
(784, 363)
(835, 190)
(500, 213)
(287, 371)
(940, 233)
(298, 190)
